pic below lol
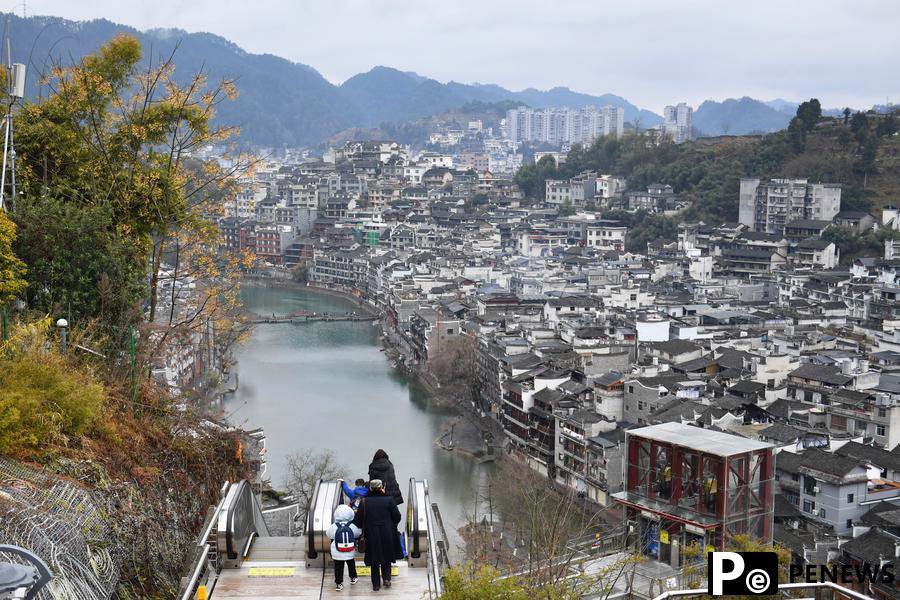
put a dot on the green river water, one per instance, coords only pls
(328, 386)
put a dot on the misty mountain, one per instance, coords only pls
(739, 117)
(391, 95)
(790, 108)
(388, 95)
(782, 105)
(279, 102)
(282, 102)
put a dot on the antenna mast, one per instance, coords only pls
(15, 76)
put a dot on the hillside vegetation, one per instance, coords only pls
(282, 103)
(104, 194)
(860, 152)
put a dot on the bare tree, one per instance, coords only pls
(454, 368)
(305, 468)
(546, 537)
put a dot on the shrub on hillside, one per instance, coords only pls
(43, 398)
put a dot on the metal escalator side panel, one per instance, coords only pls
(222, 536)
(436, 583)
(326, 498)
(240, 519)
(417, 524)
(310, 530)
(412, 519)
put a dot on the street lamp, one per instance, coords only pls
(63, 327)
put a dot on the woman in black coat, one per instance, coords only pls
(378, 517)
(382, 468)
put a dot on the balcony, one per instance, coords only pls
(571, 434)
(574, 453)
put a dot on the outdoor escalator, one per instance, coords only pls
(235, 557)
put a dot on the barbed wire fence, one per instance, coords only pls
(65, 526)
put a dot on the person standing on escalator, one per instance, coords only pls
(382, 468)
(378, 517)
(343, 535)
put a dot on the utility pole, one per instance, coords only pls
(15, 92)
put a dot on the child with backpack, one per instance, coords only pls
(356, 494)
(343, 534)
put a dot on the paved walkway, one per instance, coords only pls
(276, 570)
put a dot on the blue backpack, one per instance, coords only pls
(344, 540)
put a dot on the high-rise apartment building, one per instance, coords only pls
(564, 125)
(678, 122)
(767, 206)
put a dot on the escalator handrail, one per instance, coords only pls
(310, 516)
(413, 519)
(244, 519)
(316, 540)
(432, 546)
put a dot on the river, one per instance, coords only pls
(328, 386)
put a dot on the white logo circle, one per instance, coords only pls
(758, 581)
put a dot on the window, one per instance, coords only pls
(809, 485)
(849, 523)
(822, 512)
(795, 476)
(849, 498)
(630, 389)
(640, 405)
(882, 413)
(879, 430)
(450, 332)
(809, 506)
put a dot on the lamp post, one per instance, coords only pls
(63, 327)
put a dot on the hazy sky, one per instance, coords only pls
(650, 52)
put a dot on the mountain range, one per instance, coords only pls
(286, 103)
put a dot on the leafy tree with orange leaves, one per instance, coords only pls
(113, 196)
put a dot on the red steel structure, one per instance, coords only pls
(687, 485)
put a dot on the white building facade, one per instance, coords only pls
(678, 122)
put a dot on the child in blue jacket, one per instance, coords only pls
(354, 495)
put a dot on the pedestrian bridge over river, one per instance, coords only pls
(237, 558)
(310, 316)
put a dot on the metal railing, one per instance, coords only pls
(240, 520)
(426, 547)
(205, 568)
(435, 583)
(225, 538)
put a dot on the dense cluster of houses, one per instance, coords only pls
(751, 329)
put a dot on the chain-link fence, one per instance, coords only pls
(65, 526)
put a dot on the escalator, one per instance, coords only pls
(237, 558)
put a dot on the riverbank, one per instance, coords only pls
(464, 435)
(328, 387)
(290, 284)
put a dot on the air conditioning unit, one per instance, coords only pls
(815, 489)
